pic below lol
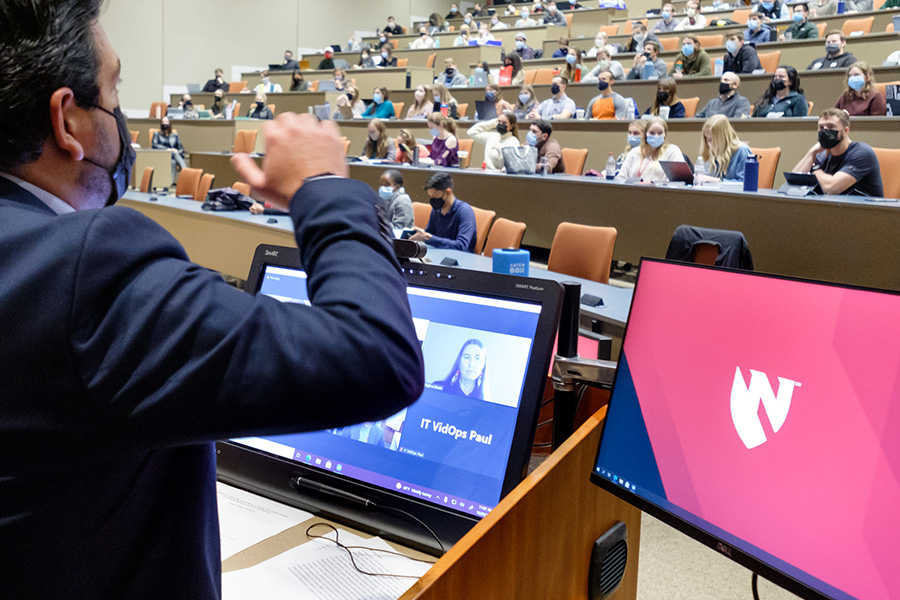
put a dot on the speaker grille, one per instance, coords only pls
(613, 567)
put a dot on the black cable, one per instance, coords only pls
(753, 584)
(337, 542)
(420, 522)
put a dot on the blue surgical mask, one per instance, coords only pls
(666, 15)
(798, 17)
(687, 49)
(467, 20)
(453, 9)
(571, 58)
(383, 39)
(520, 44)
(386, 192)
(479, 70)
(434, 131)
(768, 5)
(856, 82)
(753, 25)
(377, 99)
(656, 140)
(490, 95)
(634, 141)
(531, 139)
(731, 46)
(384, 55)
(524, 98)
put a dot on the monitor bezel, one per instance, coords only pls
(270, 476)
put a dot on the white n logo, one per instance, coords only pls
(745, 405)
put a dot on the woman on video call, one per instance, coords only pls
(468, 375)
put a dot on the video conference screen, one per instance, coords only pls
(761, 415)
(452, 446)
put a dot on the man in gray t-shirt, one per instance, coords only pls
(558, 106)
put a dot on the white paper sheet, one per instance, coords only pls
(246, 519)
(320, 570)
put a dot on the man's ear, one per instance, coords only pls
(68, 122)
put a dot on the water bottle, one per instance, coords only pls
(444, 109)
(751, 174)
(611, 167)
(841, 7)
(720, 67)
(699, 170)
(543, 166)
(437, 42)
(631, 109)
(649, 70)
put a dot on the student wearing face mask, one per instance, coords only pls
(454, 12)
(563, 48)
(600, 43)
(392, 27)
(497, 24)
(784, 96)
(216, 83)
(861, 97)
(668, 21)
(740, 57)
(378, 144)
(444, 145)
(387, 58)
(639, 37)
(381, 107)
(549, 150)
(463, 38)
(190, 111)
(634, 138)
(835, 57)
(451, 224)
(365, 60)
(722, 152)
(483, 68)
(352, 45)
(266, 86)
(516, 73)
(289, 63)
(756, 32)
(524, 51)
(771, 10)
(396, 202)
(424, 41)
(828, 8)
(642, 163)
(484, 35)
(451, 77)
(553, 16)
(442, 97)
(841, 165)
(801, 28)
(573, 70)
(384, 40)
(493, 93)
(692, 60)
(259, 109)
(525, 19)
(167, 139)
(423, 105)
(339, 79)
(217, 109)
(526, 102)
(728, 102)
(605, 63)
(298, 83)
(693, 20)
(327, 63)
(607, 104)
(349, 106)
(650, 54)
(667, 95)
(502, 132)
(557, 106)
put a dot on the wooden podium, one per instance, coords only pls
(537, 542)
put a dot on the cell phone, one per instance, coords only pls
(406, 234)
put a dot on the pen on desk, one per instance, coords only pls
(327, 490)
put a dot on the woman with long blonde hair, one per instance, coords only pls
(642, 163)
(722, 152)
(378, 144)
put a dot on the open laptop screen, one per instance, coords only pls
(760, 415)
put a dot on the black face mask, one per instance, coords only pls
(166, 128)
(778, 84)
(647, 55)
(602, 85)
(449, 70)
(662, 96)
(217, 101)
(829, 138)
(259, 105)
(119, 173)
(189, 104)
(502, 128)
(724, 88)
(349, 96)
(436, 203)
(554, 89)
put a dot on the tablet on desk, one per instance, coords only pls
(677, 170)
(451, 456)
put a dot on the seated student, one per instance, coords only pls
(784, 96)
(392, 27)
(605, 63)
(298, 84)
(442, 98)
(365, 60)
(477, 11)
(327, 63)
(483, 68)
(740, 57)
(397, 203)
(722, 152)
(558, 106)
(424, 41)
(381, 107)
(463, 38)
(574, 69)
(667, 95)
(524, 19)
(526, 102)
(692, 60)
(635, 137)
(497, 24)
(266, 86)
(451, 77)
(771, 10)
(668, 21)
(493, 93)
(187, 104)
(756, 33)
(639, 37)
(444, 145)
(379, 144)
(259, 109)
(289, 63)
(454, 12)
(554, 16)
(451, 224)
(861, 97)
(406, 142)
(828, 8)
(517, 73)
(524, 51)
(387, 58)
(642, 163)
(423, 105)
(693, 20)
(835, 57)
(537, 8)
(339, 79)
(549, 150)
(384, 41)
(217, 108)
(484, 35)
(352, 45)
(166, 139)
(563, 48)
(607, 104)
(502, 132)
(728, 102)
(216, 83)
(841, 165)
(436, 24)
(349, 106)
(801, 28)
(651, 54)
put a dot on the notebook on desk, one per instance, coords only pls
(447, 459)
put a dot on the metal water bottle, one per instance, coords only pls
(751, 174)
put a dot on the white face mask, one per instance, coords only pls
(419, 95)
(598, 42)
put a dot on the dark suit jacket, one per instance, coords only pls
(121, 362)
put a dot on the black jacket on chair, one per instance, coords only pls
(733, 249)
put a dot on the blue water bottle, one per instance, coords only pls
(841, 7)
(751, 174)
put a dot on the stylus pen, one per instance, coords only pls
(328, 490)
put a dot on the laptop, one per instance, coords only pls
(340, 63)
(677, 170)
(447, 459)
(326, 85)
(175, 112)
(276, 66)
(323, 111)
(479, 79)
(485, 110)
(798, 184)
(194, 88)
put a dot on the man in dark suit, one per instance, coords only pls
(121, 361)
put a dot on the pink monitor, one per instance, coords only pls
(761, 415)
